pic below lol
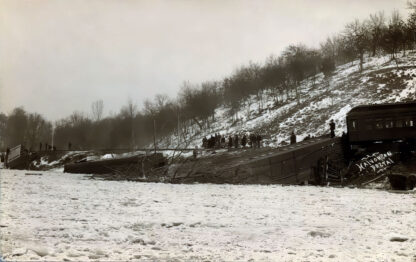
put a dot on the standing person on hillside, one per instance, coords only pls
(204, 142)
(332, 128)
(244, 141)
(211, 142)
(236, 141)
(195, 152)
(253, 140)
(217, 140)
(258, 138)
(40, 146)
(230, 142)
(293, 138)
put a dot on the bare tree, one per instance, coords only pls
(35, 124)
(16, 127)
(393, 38)
(377, 24)
(97, 109)
(3, 125)
(411, 23)
(357, 34)
(161, 100)
(130, 111)
(76, 118)
(329, 48)
(411, 5)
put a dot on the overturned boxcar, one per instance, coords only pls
(311, 161)
(315, 161)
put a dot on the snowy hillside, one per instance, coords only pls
(382, 80)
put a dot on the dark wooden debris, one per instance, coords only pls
(136, 165)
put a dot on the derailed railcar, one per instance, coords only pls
(17, 158)
(313, 161)
(382, 123)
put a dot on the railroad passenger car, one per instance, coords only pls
(382, 122)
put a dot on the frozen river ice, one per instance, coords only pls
(57, 216)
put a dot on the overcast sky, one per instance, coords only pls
(58, 56)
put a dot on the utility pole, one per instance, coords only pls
(132, 136)
(179, 132)
(53, 134)
(154, 134)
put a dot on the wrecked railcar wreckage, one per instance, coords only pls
(124, 168)
(388, 130)
(301, 163)
(18, 157)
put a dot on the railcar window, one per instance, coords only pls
(408, 123)
(353, 125)
(389, 123)
(379, 125)
(399, 123)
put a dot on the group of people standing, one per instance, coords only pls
(219, 141)
(47, 147)
(253, 140)
(215, 141)
(52, 148)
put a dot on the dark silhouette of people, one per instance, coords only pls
(307, 137)
(217, 140)
(69, 145)
(230, 142)
(258, 138)
(332, 128)
(244, 141)
(293, 138)
(6, 159)
(236, 144)
(54, 148)
(253, 139)
(40, 146)
(46, 147)
(195, 152)
(211, 142)
(222, 141)
(204, 142)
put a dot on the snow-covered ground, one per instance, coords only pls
(62, 217)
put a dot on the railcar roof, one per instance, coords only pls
(383, 107)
